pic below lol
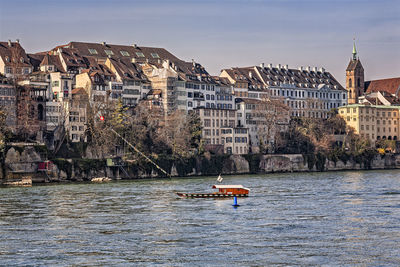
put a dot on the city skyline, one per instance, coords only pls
(222, 34)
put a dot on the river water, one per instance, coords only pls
(331, 219)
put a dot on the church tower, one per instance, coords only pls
(354, 78)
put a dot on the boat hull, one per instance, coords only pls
(209, 195)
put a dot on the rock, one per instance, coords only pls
(174, 172)
(241, 165)
(63, 175)
(12, 156)
(30, 155)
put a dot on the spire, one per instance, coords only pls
(354, 50)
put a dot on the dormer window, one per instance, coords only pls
(155, 55)
(8, 59)
(92, 51)
(139, 54)
(109, 52)
(124, 53)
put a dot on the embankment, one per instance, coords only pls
(22, 163)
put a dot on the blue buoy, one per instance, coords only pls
(235, 204)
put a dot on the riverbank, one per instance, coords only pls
(27, 163)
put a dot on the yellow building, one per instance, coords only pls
(372, 121)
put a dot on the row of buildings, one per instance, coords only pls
(49, 93)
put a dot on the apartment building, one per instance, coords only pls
(8, 102)
(14, 62)
(309, 92)
(219, 129)
(263, 118)
(76, 112)
(373, 122)
(130, 84)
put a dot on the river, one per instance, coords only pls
(330, 218)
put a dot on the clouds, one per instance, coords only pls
(220, 34)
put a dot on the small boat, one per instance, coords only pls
(223, 191)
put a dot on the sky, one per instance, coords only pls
(221, 34)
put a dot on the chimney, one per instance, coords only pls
(17, 40)
(270, 65)
(315, 69)
(278, 66)
(250, 75)
(308, 68)
(286, 67)
(301, 68)
(133, 60)
(104, 43)
(262, 65)
(134, 45)
(322, 70)
(193, 62)
(9, 43)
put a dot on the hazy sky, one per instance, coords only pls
(221, 34)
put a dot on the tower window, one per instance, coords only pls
(350, 83)
(358, 82)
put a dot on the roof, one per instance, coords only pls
(35, 60)
(137, 54)
(260, 78)
(354, 64)
(229, 186)
(391, 85)
(126, 70)
(13, 51)
(52, 60)
(118, 51)
(79, 90)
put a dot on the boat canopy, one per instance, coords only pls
(238, 186)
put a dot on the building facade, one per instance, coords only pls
(374, 122)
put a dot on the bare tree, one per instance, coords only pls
(272, 117)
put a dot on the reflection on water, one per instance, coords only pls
(340, 218)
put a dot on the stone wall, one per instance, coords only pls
(25, 161)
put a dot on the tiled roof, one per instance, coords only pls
(118, 51)
(391, 85)
(138, 54)
(52, 60)
(127, 70)
(222, 81)
(35, 60)
(73, 58)
(16, 50)
(263, 77)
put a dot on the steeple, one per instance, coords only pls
(354, 78)
(354, 51)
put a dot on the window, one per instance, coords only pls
(92, 51)
(154, 55)
(124, 53)
(139, 54)
(109, 52)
